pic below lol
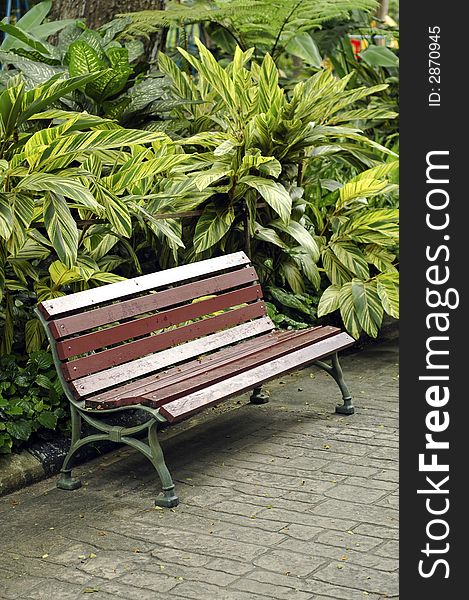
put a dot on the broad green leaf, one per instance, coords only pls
(267, 165)
(212, 226)
(47, 419)
(348, 312)
(73, 147)
(301, 235)
(26, 38)
(388, 291)
(182, 83)
(6, 216)
(204, 179)
(335, 270)
(373, 226)
(104, 277)
(351, 257)
(309, 267)
(290, 300)
(44, 96)
(381, 258)
(116, 211)
(290, 271)
(269, 93)
(378, 172)
(84, 59)
(61, 228)
(379, 56)
(367, 304)
(65, 186)
(61, 274)
(266, 234)
(19, 429)
(330, 300)
(273, 193)
(214, 74)
(363, 188)
(127, 176)
(303, 46)
(34, 335)
(31, 20)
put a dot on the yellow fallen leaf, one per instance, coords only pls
(45, 556)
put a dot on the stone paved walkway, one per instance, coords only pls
(285, 501)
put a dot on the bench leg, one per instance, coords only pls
(66, 481)
(335, 371)
(169, 498)
(259, 396)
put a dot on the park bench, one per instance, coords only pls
(168, 345)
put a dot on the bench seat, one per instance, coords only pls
(171, 344)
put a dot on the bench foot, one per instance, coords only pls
(259, 396)
(67, 482)
(335, 371)
(346, 408)
(167, 499)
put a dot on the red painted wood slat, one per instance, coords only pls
(247, 357)
(148, 345)
(127, 392)
(92, 384)
(208, 396)
(145, 325)
(129, 287)
(84, 321)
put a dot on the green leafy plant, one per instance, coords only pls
(251, 143)
(359, 242)
(64, 197)
(120, 88)
(30, 399)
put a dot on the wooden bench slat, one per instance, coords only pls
(114, 376)
(193, 403)
(125, 393)
(145, 325)
(135, 392)
(65, 326)
(122, 289)
(130, 351)
(241, 364)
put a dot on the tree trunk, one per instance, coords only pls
(382, 10)
(97, 12)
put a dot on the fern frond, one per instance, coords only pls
(266, 24)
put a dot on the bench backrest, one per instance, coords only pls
(122, 331)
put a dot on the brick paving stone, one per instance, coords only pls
(285, 501)
(339, 555)
(289, 562)
(359, 512)
(271, 591)
(363, 579)
(389, 549)
(365, 495)
(349, 540)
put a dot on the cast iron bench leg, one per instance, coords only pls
(259, 396)
(335, 371)
(66, 481)
(169, 498)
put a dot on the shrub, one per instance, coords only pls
(30, 399)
